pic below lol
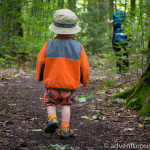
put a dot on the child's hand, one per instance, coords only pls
(111, 21)
(83, 86)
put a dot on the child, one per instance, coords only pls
(62, 64)
(119, 41)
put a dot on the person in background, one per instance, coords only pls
(120, 41)
(62, 64)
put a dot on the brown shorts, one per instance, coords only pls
(54, 97)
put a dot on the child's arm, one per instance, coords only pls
(40, 64)
(84, 68)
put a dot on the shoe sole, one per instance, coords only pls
(66, 137)
(51, 128)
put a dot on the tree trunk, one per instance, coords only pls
(125, 5)
(111, 9)
(115, 5)
(60, 4)
(138, 97)
(72, 5)
(17, 27)
(133, 8)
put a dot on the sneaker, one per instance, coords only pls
(66, 134)
(52, 125)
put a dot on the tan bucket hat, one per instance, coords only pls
(64, 22)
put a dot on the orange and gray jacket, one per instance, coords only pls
(62, 64)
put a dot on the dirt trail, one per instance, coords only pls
(108, 125)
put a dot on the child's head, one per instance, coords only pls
(64, 22)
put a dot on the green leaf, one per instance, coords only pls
(80, 104)
(90, 117)
(130, 129)
(43, 148)
(32, 119)
(147, 125)
(85, 117)
(12, 104)
(3, 112)
(142, 134)
(37, 130)
(90, 97)
(83, 99)
(95, 117)
(147, 118)
(101, 92)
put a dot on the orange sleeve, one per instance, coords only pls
(84, 68)
(40, 64)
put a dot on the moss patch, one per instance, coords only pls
(125, 94)
(137, 95)
(145, 110)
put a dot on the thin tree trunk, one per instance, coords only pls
(125, 5)
(142, 28)
(2, 27)
(133, 6)
(111, 9)
(115, 5)
(60, 3)
(17, 27)
(72, 5)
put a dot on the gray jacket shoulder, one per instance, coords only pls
(63, 47)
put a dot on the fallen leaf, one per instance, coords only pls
(127, 129)
(37, 130)
(140, 125)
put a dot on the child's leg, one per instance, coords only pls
(52, 123)
(51, 111)
(65, 117)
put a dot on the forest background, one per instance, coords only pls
(24, 28)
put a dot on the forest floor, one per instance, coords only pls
(99, 123)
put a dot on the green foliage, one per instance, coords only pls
(56, 147)
(34, 18)
(101, 92)
(90, 117)
(3, 112)
(147, 118)
(81, 98)
(109, 82)
(93, 26)
(36, 130)
(145, 110)
(147, 125)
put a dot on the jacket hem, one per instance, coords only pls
(65, 89)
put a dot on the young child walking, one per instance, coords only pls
(62, 64)
(120, 41)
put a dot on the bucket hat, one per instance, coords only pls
(64, 22)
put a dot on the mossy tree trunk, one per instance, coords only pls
(138, 97)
